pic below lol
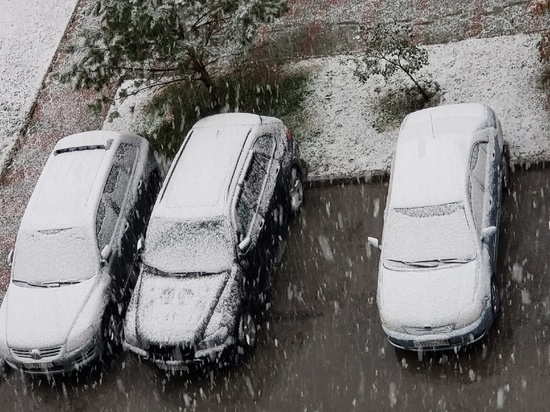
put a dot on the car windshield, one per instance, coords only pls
(49, 257)
(193, 246)
(429, 236)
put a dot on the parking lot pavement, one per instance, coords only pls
(321, 346)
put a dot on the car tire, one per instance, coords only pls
(295, 191)
(495, 298)
(246, 334)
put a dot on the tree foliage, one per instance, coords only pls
(166, 41)
(388, 51)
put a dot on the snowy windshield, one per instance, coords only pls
(54, 256)
(428, 236)
(193, 246)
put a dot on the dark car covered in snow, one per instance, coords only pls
(73, 261)
(212, 240)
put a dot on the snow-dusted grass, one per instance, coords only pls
(338, 136)
(30, 32)
(336, 128)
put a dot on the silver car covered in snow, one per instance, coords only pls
(212, 241)
(72, 265)
(438, 281)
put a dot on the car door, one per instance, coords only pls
(481, 191)
(115, 220)
(253, 207)
(493, 193)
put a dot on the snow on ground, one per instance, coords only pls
(339, 136)
(30, 32)
(336, 132)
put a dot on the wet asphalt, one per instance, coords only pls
(321, 347)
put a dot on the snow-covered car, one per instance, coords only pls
(437, 281)
(73, 263)
(212, 241)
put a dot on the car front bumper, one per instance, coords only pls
(61, 364)
(185, 362)
(453, 340)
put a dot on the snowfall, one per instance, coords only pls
(336, 129)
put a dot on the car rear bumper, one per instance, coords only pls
(453, 340)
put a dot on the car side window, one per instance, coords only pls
(264, 144)
(247, 204)
(114, 193)
(477, 182)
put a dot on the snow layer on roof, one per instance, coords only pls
(199, 179)
(204, 170)
(30, 32)
(433, 151)
(66, 194)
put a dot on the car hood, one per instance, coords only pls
(420, 298)
(176, 309)
(44, 317)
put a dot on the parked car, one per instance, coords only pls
(73, 262)
(212, 241)
(437, 281)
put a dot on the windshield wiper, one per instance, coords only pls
(47, 284)
(419, 264)
(446, 260)
(61, 283)
(26, 282)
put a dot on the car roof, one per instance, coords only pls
(433, 153)
(69, 188)
(200, 178)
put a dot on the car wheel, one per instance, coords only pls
(495, 298)
(296, 191)
(246, 334)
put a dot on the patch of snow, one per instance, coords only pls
(176, 309)
(188, 246)
(30, 32)
(337, 136)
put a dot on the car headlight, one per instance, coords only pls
(215, 339)
(468, 315)
(79, 338)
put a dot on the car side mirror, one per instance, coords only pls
(488, 232)
(374, 242)
(139, 247)
(106, 254)
(245, 244)
(10, 258)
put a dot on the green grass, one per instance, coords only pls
(254, 88)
